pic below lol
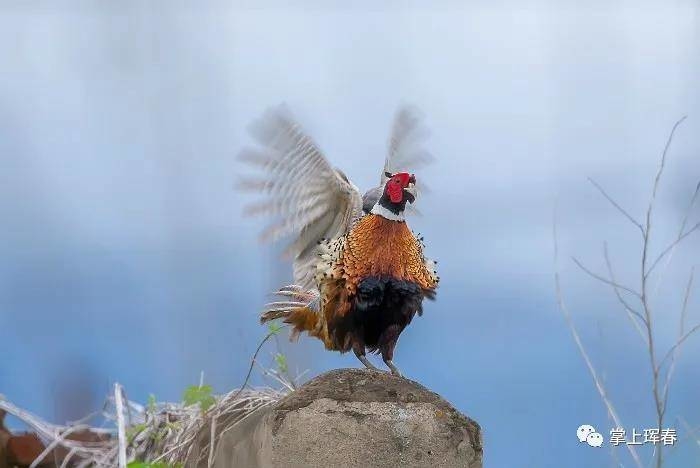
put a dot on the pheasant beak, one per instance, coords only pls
(410, 190)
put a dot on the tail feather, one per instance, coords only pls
(284, 304)
(269, 315)
(302, 312)
(292, 287)
(297, 293)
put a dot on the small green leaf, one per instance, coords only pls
(196, 394)
(274, 328)
(152, 403)
(281, 361)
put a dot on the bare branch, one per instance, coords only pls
(663, 156)
(50, 431)
(68, 458)
(646, 315)
(657, 179)
(651, 348)
(616, 205)
(644, 273)
(631, 312)
(55, 443)
(606, 280)
(684, 223)
(680, 341)
(252, 362)
(582, 350)
(672, 246)
(681, 332)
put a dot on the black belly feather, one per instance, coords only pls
(380, 310)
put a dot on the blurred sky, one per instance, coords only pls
(125, 257)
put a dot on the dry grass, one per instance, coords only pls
(159, 432)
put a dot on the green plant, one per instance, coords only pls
(281, 361)
(201, 394)
(139, 464)
(274, 328)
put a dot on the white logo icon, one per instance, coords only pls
(587, 433)
(583, 431)
(594, 439)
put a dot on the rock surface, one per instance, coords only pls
(354, 418)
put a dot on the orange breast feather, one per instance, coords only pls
(377, 246)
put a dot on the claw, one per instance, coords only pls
(363, 359)
(394, 369)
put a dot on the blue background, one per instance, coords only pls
(124, 255)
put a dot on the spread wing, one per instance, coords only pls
(406, 152)
(306, 198)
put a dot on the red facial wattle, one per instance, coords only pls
(396, 184)
(395, 192)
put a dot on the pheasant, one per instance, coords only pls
(360, 274)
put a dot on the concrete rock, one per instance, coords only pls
(355, 418)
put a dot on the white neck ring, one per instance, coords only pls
(386, 213)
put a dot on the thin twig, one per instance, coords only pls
(173, 449)
(668, 249)
(646, 316)
(605, 280)
(54, 443)
(652, 201)
(582, 350)
(663, 156)
(170, 433)
(681, 332)
(68, 458)
(678, 343)
(644, 274)
(213, 443)
(646, 307)
(252, 362)
(49, 431)
(684, 223)
(616, 205)
(631, 312)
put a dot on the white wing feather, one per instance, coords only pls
(406, 151)
(303, 194)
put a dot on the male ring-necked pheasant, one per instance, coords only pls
(360, 274)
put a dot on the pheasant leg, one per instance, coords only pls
(388, 343)
(363, 359)
(394, 370)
